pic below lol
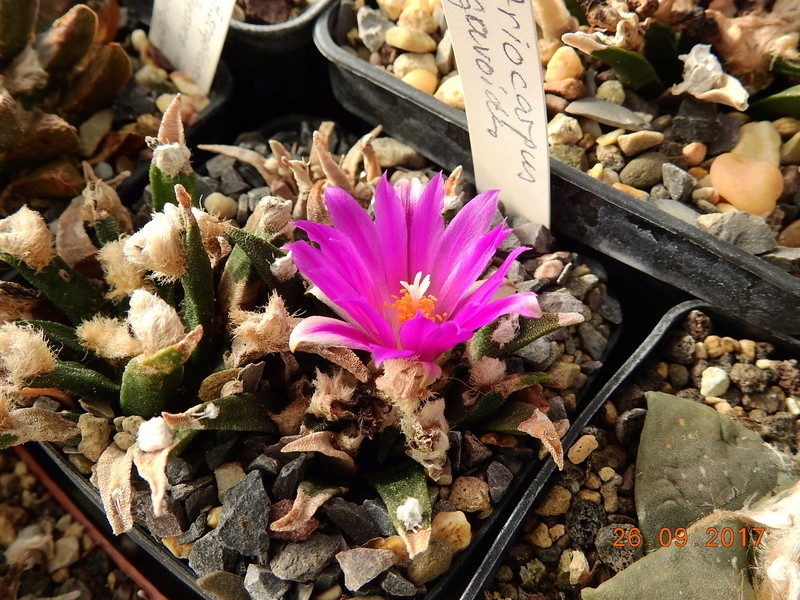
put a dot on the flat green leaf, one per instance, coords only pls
(509, 418)
(782, 104)
(787, 67)
(632, 69)
(530, 329)
(81, 381)
(661, 51)
(260, 252)
(239, 412)
(397, 485)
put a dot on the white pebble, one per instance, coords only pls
(714, 382)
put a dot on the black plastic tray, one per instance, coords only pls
(785, 347)
(584, 208)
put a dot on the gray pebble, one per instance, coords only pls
(644, 171)
(748, 232)
(610, 157)
(219, 165)
(209, 555)
(584, 520)
(304, 561)
(607, 113)
(618, 556)
(245, 517)
(678, 182)
(262, 584)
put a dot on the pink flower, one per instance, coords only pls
(404, 284)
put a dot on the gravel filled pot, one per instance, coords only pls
(262, 486)
(620, 219)
(730, 390)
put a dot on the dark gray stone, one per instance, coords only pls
(610, 309)
(290, 476)
(454, 451)
(232, 182)
(748, 232)
(372, 26)
(304, 561)
(786, 259)
(301, 591)
(696, 121)
(205, 497)
(617, 556)
(262, 584)
(473, 451)
(209, 555)
(395, 584)
(172, 520)
(265, 464)
(217, 456)
(329, 577)
(562, 301)
(535, 236)
(499, 478)
(184, 490)
(377, 510)
(250, 175)
(593, 341)
(195, 531)
(678, 182)
(557, 410)
(536, 352)
(584, 520)
(727, 134)
(659, 191)
(243, 523)
(352, 519)
(219, 165)
(181, 470)
(629, 425)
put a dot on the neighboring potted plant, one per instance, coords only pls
(685, 479)
(651, 111)
(70, 92)
(333, 461)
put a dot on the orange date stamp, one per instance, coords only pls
(715, 538)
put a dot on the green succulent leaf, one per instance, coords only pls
(107, 230)
(198, 299)
(59, 282)
(508, 419)
(661, 51)
(62, 338)
(260, 252)
(632, 69)
(397, 485)
(787, 67)
(530, 329)
(162, 187)
(81, 381)
(239, 412)
(782, 104)
(148, 382)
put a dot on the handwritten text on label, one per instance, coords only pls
(498, 60)
(190, 33)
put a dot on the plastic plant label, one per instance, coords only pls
(498, 60)
(190, 33)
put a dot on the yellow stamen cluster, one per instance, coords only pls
(413, 299)
(407, 306)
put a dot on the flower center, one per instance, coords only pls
(413, 299)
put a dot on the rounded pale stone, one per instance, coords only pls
(639, 141)
(714, 382)
(565, 64)
(405, 63)
(451, 92)
(581, 449)
(221, 206)
(555, 503)
(759, 140)
(453, 529)
(411, 40)
(424, 81)
(415, 18)
(787, 126)
(392, 8)
(631, 191)
(790, 151)
(611, 90)
(790, 236)
(694, 153)
(563, 129)
(747, 183)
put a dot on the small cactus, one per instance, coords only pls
(190, 306)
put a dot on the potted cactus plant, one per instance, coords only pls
(69, 91)
(276, 403)
(645, 112)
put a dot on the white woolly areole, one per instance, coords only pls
(283, 268)
(122, 276)
(155, 435)
(25, 236)
(409, 513)
(24, 354)
(158, 246)
(154, 322)
(173, 159)
(108, 337)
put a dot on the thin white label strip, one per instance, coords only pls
(498, 60)
(190, 33)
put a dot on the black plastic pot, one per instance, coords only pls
(724, 325)
(584, 208)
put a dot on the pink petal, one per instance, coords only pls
(329, 332)
(426, 229)
(428, 338)
(391, 229)
(477, 315)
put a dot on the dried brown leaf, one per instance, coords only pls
(542, 428)
(113, 479)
